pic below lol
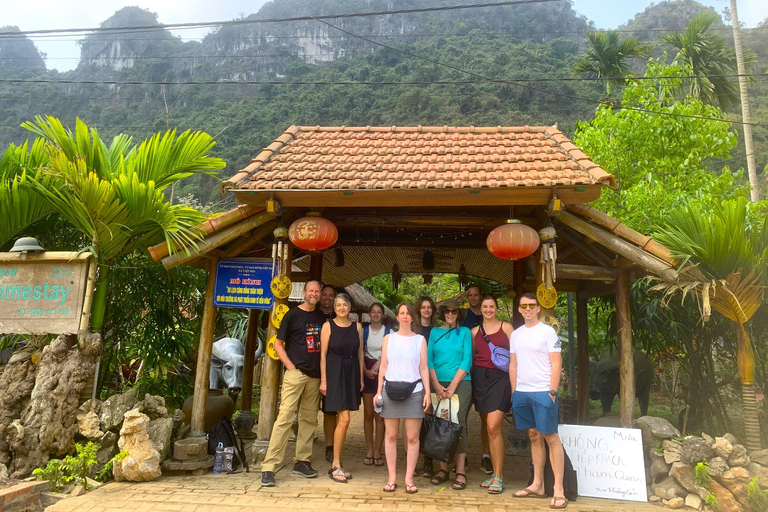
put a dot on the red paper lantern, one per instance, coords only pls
(512, 241)
(313, 233)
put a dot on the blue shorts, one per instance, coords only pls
(535, 409)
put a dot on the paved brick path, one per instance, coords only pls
(243, 492)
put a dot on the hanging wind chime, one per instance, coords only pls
(281, 284)
(546, 292)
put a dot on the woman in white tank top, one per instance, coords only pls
(404, 359)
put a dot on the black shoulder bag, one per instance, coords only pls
(439, 438)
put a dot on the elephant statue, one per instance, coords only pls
(604, 379)
(227, 364)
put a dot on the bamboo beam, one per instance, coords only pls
(586, 272)
(253, 238)
(218, 239)
(597, 290)
(270, 376)
(626, 360)
(204, 350)
(582, 365)
(621, 247)
(249, 359)
(591, 252)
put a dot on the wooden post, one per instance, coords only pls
(626, 361)
(518, 280)
(582, 378)
(316, 265)
(571, 350)
(248, 360)
(270, 377)
(204, 350)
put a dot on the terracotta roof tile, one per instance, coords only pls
(418, 157)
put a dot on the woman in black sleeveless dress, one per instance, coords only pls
(341, 374)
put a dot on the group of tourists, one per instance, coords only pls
(471, 357)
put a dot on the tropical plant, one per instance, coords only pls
(711, 60)
(72, 467)
(723, 257)
(757, 498)
(114, 194)
(608, 57)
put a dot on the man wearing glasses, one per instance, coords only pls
(535, 366)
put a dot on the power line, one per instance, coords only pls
(211, 24)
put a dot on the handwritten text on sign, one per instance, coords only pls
(608, 461)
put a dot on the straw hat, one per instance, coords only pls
(450, 304)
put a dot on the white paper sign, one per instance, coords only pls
(608, 461)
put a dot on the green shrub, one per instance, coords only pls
(701, 476)
(73, 467)
(106, 472)
(756, 497)
(712, 502)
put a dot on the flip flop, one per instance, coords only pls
(528, 493)
(390, 488)
(369, 461)
(557, 499)
(378, 461)
(439, 478)
(411, 489)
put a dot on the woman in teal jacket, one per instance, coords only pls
(449, 355)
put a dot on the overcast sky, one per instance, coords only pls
(63, 52)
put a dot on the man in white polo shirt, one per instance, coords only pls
(535, 365)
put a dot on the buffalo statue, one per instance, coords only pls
(604, 379)
(227, 364)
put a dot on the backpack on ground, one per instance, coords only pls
(570, 483)
(224, 432)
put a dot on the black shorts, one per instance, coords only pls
(491, 390)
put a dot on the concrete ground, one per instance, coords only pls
(243, 492)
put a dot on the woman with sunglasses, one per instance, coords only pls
(450, 360)
(491, 388)
(403, 368)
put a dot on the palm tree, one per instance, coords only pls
(710, 58)
(724, 259)
(608, 57)
(114, 194)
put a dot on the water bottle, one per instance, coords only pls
(218, 460)
(379, 404)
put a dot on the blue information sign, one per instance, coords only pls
(243, 284)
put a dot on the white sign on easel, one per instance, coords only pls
(608, 461)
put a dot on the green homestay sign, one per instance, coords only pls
(42, 293)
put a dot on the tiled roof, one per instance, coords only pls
(421, 157)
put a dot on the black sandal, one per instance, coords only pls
(460, 486)
(337, 475)
(439, 478)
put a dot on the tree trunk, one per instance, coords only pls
(99, 304)
(746, 362)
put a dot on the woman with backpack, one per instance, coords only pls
(341, 374)
(491, 388)
(373, 338)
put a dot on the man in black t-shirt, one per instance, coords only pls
(298, 345)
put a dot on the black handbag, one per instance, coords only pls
(398, 390)
(439, 438)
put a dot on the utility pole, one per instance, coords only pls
(745, 116)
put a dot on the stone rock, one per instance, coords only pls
(178, 419)
(676, 503)
(659, 469)
(114, 408)
(738, 456)
(3, 473)
(722, 447)
(180, 434)
(731, 438)
(90, 405)
(190, 449)
(736, 480)
(48, 424)
(142, 464)
(693, 500)
(152, 406)
(708, 438)
(684, 475)
(17, 381)
(77, 491)
(759, 456)
(88, 425)
(668, 489)
(717, 466)
(694, 450)
(160, 431)
(655, 430)
(107, 447)
(653, 499)
(671, 451)
(759, 471)
(725, 499)
(607, 421)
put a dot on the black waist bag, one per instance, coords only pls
(399, 391)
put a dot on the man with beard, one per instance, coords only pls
(298, 345)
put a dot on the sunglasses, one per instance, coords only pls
(451, 311)
(528, 306)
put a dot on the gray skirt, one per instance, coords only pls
(411, 407)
